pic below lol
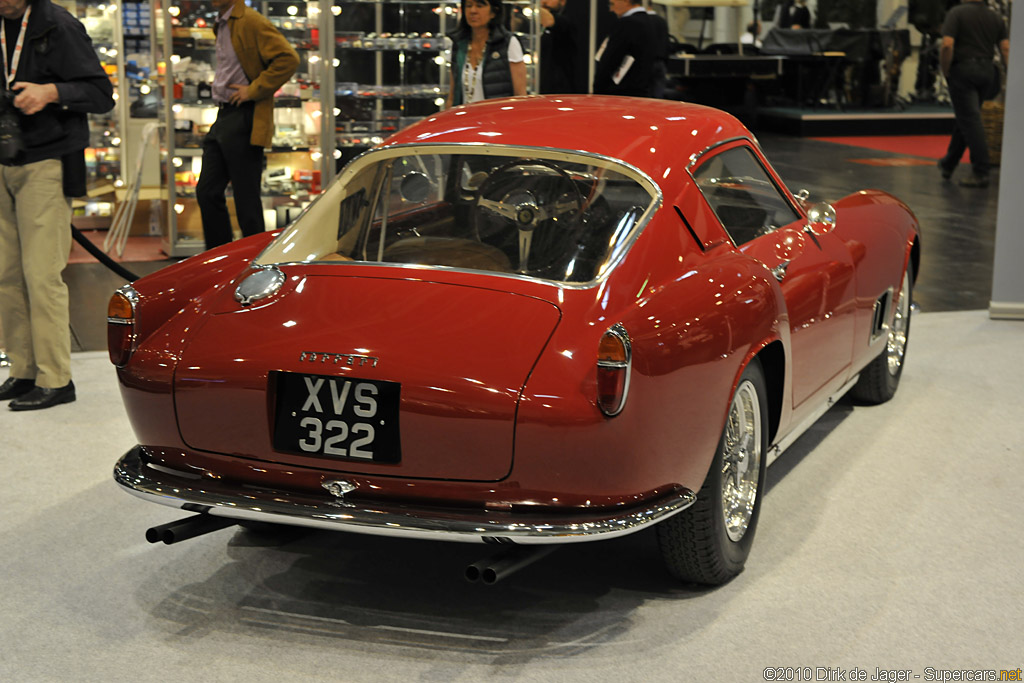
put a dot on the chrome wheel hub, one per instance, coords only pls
(896, 346)
(741, 461)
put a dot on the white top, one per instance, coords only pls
(472, 78)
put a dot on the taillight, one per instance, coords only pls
(613, 365)
(121, 325)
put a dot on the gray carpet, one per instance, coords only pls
(890, 537)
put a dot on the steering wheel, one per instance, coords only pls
(528, 200)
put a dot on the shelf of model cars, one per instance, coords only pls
(296, 123)
(410, 42)
(412, 91)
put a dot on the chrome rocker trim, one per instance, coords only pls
(161, 485)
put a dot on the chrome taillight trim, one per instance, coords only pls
(618, 330)
(129, 293)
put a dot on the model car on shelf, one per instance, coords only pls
(528, 321)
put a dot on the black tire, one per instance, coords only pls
(881, 377)
(705, 543)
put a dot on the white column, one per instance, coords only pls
(1008, 276)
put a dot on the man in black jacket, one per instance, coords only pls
(53, 79)
(625, 60)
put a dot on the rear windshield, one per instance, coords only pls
(539, 213)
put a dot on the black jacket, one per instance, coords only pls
(58, 50)
(559, 45)
(632, 35)
(496, 76)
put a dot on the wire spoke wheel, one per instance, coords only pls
(896, 346)
(709, 542)
(741, 461)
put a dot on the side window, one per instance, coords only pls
(743, 195)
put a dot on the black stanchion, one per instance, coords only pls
(102, 257)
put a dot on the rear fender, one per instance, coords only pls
(170, 290)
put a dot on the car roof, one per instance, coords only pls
(653, 135)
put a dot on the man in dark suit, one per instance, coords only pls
(625, 60)
(559, 47)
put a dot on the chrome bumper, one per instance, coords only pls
(162, 485)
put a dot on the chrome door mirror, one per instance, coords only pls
(821, 218)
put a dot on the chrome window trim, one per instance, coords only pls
(697, 156)
(391, 151)
(786, 195)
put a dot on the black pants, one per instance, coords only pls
(229, 157)
(970, 83)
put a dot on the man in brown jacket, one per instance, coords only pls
(253, 61)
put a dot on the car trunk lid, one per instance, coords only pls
(402, 377)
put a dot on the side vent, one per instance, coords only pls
(880, 316)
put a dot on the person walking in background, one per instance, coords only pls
(253, 61)
(53, 80)
(626, 58)
(794, 14)
(487, 60)
(559, 45)
(970, 34)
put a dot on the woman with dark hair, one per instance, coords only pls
(487, 60)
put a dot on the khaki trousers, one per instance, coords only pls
(35, 240)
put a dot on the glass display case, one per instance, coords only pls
(295, 167)
(367, 68)
(392, 63)
(104, 156)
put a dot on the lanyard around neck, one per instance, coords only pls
(11, 72)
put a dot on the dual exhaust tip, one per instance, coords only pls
(488, 571)
(491, 570)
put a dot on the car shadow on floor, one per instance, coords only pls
(295, 584)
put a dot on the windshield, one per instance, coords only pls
(553, 215)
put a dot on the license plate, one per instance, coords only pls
(336, 417)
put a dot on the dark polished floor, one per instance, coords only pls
(957, 225)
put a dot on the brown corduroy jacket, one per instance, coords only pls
(267, 59)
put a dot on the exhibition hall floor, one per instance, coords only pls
(889, 537)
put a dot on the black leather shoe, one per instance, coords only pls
(13, 388)
(947, 173)
(40, 398)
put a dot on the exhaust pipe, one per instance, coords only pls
(493, 569)
(187, 528)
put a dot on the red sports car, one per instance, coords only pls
(528, 321)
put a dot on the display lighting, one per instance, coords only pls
(335, 10)
(174, 11)
(177, 161)
(144, 88)
(179, 209)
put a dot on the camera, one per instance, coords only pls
(12, 147)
